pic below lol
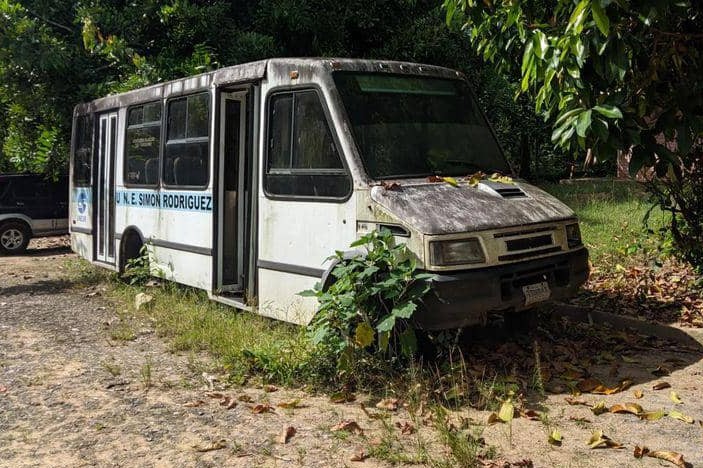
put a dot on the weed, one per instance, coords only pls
(537, 381)
(122, 331)
(112, 368)
(145, 373)
(465, 448)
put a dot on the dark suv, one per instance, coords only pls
(31, 206)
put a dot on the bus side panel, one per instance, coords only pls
(298, 235)
(80, 214)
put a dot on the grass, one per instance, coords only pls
(611, 214)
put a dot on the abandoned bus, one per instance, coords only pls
(244, 180)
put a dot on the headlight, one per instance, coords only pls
(573, 235)
(456, 252)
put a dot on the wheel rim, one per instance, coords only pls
(11, 239)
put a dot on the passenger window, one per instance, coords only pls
(83, 150)
(303, 160)
(142, 145)
(186, 151)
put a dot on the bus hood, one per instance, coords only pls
(440, 208)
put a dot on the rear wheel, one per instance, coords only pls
(14, 238)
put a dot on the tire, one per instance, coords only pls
(14, 238)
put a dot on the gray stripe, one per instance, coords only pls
(81, 230)
(287, 268)
(181, 247)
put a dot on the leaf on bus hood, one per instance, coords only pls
(475, 178)
(497, 177)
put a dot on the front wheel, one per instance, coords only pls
(14, 238)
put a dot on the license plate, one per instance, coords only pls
(537, 292)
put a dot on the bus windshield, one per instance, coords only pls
(414, 126)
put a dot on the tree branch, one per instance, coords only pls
(48, 21)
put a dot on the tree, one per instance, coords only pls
(610, 75)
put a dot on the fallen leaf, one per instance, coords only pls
(262, 408)
(286, 434)
(640, 451)
(638, 393)
(434, 179)
(599, 440)
(270, 388)
(507, 411)
(215, 394)
(406, 428)
(359, 455)
(672, 457)
(661, 385)
(530, 414)
(675, 398)
(393, 186)
(588, 385)
(390, 404)
(661, 371)
(194, 403)
(599, 408)
(475, 178)
(228, 402)
(680, 416)
(342, 397)
(632, 408)
(492, 418)
(292, 404)
(652, 415)
(216, 445)
(245, 398)
(555, 438)
(349, 426)
(574, 401)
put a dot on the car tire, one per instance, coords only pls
(14, 238)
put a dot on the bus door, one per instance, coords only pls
(105, 189)
(232, 194)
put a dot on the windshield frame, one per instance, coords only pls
(351, 131)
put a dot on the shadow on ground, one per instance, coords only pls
(565, 353)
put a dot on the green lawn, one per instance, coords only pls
(611, 214)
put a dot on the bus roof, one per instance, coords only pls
(255, 71)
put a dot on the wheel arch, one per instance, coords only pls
(18, 218)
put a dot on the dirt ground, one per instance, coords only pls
(70, 395)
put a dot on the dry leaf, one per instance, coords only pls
(270, 388)
(492, 418)
(245, 398)
(194, 403)
(675, 397)
(652, 415)
(638, 393)
(390, 404)
(215, 394)
(588, 385)
(475, 178)
(451, 181)
(262, 408)
(661, 371)
(393, 186)
(599, 440)
(228, 402)
(406, 428)
(672, 457)
(680, 416)
(530, 414)
(292, 404)
(661, 385)
(359, 455)
(555, 438)
(434, 178)
(216, 445)
(286, 434)
(348, 426)
(342, 397)
(632, 408)
(640, 451)
(575, 401)
(599, 408)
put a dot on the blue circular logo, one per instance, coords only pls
(82, 202)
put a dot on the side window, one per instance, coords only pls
(186, 162)
(302, 159)
(83, 150)
(141, 163)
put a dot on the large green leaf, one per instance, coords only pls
(583, 123)
(609, 111)
(600, 17)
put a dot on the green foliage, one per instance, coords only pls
(138, 269)
(611, 76)
(366, 313)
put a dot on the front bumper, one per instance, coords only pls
(465, 298)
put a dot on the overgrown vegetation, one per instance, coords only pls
(365, 316)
